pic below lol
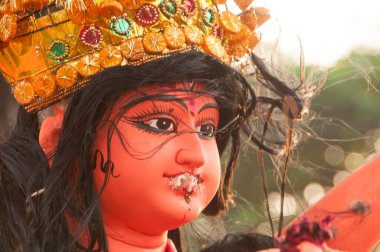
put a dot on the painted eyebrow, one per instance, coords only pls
(208, 105)
(165, 97)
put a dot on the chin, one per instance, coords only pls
(181, 213)
(191, 215)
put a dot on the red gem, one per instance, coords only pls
(218, 32)
(91, 35)
(147, 15)
(189, 7)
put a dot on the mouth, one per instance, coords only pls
(186, 183)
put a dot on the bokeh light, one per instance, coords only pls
(313, 192)
(340, 176)
(353, 161)
(290, 204)
(334, 155)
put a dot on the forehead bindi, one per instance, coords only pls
(191, 104)
(196, 105)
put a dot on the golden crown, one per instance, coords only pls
(50, 49)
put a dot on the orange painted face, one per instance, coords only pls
(166, 160)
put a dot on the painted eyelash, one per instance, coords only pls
(148, 114)
(207, 119)
(143, 115)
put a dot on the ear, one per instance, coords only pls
(50, 132)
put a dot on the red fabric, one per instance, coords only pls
(355, 232)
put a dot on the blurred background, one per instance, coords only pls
(342, 38)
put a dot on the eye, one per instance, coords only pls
(161, 124)
(206, 130)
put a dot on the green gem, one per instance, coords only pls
(121, 26)
(209, 17)
(170, 7)
(58, 49)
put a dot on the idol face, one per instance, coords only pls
(165, 156)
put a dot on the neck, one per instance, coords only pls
(121, 238)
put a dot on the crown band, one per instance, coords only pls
(43, 103)
(48, 51)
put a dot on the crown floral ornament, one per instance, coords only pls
(49, 49)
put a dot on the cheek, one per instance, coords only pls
(132, 165)
(137, 143)
(140, 182)
(212, 175)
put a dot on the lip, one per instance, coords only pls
(171, 176)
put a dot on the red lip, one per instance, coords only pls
(180, 173)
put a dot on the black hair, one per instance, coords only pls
(30, 222)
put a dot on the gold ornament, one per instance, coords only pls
(88, 65)
(132, 4)
(31, 5)
(193, 35)
(213, 46)
(66, 76)
(83, 12)
(23, 92)
(16, 6)
(132, 49)
(111, 8)
(154, 42)
(255, 17)
(110, 56)
(230, 22)
(44, 86)
(253, 41)
(8, 27)
(239, 37)
(174, 37)
(243, 4)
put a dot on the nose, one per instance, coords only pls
(191, 153)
